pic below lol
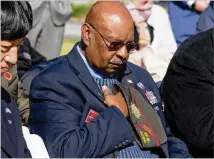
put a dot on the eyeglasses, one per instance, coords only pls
(115, 46)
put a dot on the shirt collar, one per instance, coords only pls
(92, 72)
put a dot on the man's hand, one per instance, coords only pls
(116, 100)
(201, 5)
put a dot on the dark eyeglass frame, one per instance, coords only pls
(115, 46)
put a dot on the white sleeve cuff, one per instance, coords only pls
(190, 3)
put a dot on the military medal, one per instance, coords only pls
(150, 96)
(129, 81)
(139, 84)
(135, 110)
(145, 137)
(91, 115)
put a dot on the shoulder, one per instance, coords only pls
(193, 59)
(57, 76)
(51, 70)
(139, 73)
(208, 12)
(136, 69)
(196, 46)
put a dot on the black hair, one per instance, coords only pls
(16, 19)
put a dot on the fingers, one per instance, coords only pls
(106, 91)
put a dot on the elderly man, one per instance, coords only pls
(72, 107)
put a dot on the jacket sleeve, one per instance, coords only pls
(27, 58)
(23, 103)
(206, 20)
(58, 122)
(176, 147)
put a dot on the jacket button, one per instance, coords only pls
(120, 145)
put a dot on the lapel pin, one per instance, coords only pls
(139, 84)
(150, 96)
(91, 115)
(129, 81)
(9, 121)
(7, 110)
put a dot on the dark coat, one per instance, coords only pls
(61, 98)
(12, 141)
(188, 93)
(27, 58)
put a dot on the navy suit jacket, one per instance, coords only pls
(61, 97)
(13, 144)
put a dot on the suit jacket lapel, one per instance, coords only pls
(5, 136)
(5, 144)
(83, 73)
(127, 78)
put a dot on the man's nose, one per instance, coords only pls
(12, 56)
(123, 53)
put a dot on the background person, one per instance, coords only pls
(16, 21)
(187, 93)
(184, 16)
(47, 33)
(154, 36)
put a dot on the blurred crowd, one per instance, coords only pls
(139, 83)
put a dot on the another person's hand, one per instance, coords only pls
(137, 56)
(201, 5)
(116, 100)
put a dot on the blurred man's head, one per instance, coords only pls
(108, 34)
(140, 10)
(16, 21)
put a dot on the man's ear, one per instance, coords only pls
(85, 33)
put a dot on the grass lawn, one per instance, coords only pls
(67, 45)
(79, 11)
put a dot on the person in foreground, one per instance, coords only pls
(16, 140)
(187, 91)
(73, 107)
(16, 21)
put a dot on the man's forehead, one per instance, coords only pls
(117, 28)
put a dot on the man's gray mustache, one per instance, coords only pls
(120, 62)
